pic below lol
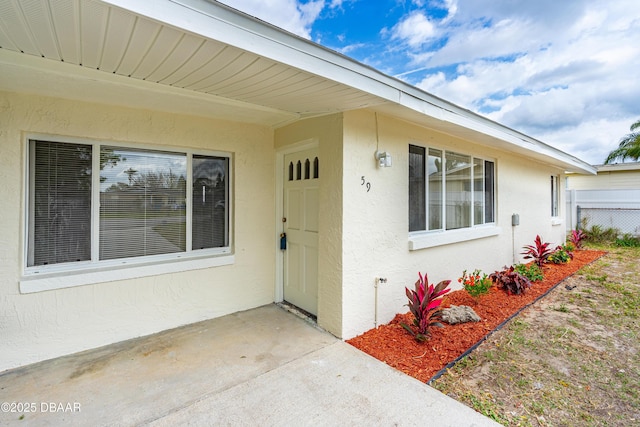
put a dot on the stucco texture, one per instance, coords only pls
(375, 222)
(44, 325)
(364, 216)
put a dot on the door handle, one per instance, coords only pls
(283, 241)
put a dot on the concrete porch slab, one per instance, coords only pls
(259, 367)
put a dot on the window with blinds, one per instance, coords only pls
(60, 203)
(449, 190)
(145, 208)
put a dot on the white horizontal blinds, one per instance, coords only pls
(457, 190)
(210, 217)
(142, 203)
(60, 203)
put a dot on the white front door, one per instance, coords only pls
(301, 184)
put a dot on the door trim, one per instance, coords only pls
(280, 153)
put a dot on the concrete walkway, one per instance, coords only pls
(262, 367)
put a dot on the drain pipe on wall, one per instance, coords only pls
(375, 308)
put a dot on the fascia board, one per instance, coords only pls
(619, 167)
(520, 141)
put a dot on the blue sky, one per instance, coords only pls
(566, 72)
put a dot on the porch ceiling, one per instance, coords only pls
(129, 50)
(202, 58)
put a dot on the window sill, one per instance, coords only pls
(433, 239)
(39, 282)
(556, 221)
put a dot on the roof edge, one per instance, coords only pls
(246, 32)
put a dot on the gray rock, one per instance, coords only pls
(459, 314)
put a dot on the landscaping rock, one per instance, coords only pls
(459, 314)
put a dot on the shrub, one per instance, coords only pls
(476, 283)
(598, 234)
(530, 271)
(627, 241)
(577, 238)
(539, 251)
(510, 281)
(562, 254)
(424, 303)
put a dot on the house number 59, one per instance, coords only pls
(366, 183)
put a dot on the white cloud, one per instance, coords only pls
(286, 14)
(569, 79)
(415, 29)
(564, 72)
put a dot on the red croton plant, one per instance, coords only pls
(424, 303)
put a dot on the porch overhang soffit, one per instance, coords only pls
(201, 57)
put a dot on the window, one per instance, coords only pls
(449, 190)
(555, 194)
(94, 204)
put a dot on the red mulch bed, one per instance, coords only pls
(393, 345)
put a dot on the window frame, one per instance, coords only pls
(426, 237)
(69, 274)
(555, 196)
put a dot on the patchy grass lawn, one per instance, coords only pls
(572, 359)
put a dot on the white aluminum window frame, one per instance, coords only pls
(64, 275)
(555, 196)
(421, 239)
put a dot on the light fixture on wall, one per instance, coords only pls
(384, 159)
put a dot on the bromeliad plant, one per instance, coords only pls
(476, 283)
(539, 251)
(424, 303)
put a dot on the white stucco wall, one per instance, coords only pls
(44, 325)
(375, 222)
(364, 234)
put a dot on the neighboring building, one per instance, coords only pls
(154, 152)
(609, 199)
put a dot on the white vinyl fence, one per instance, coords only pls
(619, 209)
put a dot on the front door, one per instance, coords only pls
(301, 184)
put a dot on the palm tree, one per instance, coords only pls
(629, 146)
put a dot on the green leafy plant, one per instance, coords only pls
(577, 238)
(530, 271)
(539, 251)
(598, 234)
(561, 255)
(509, 280)
(423, 304)
(627, 241)
(476, 283)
